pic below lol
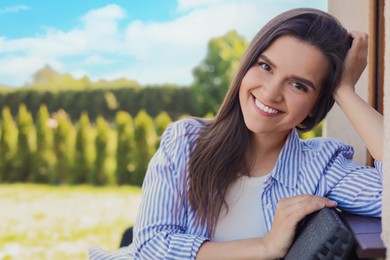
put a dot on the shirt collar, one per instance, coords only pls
(287, 166)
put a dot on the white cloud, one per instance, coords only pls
(18, 70)
(98, 33)
(103, 22)
(108, 13)
(53, 44)
(14, 9)
(96, 60)
(181, 44)
(148, 52)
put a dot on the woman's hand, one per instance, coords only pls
(355, 62)
(288, 213)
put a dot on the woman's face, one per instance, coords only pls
(280, 91)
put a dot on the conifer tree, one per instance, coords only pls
(145, 138)
(125, 146)
(63, 147)
(24, 160)
(44, 154)
(84, 154)
(101, 171)
(7, 145)
(161, 121)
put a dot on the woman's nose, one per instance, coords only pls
(273, 91)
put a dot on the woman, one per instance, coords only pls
(236, 186)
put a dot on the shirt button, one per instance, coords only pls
(269, 206)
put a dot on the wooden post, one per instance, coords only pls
(386, 158)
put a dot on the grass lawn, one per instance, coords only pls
(62, 222)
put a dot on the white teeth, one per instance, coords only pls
(264, 108)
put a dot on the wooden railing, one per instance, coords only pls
(367, 233)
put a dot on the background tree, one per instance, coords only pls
(102, 170)
(63, 139)
(44, 154)
(213, 75)
(125, 147)
(145, 138)
(84, 154)
(24, 159)
(161, 122)
(46, 76)
(7, 145)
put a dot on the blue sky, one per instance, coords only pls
(151, 41)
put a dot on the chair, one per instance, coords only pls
(127, 237)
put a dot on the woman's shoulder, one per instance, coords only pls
(184, 130)
(327, 146)
(187, 126)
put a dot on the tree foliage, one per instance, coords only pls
(63, 148)
(213, 75)
(102, 170)
(125, 147)
(48, 78)
(106, 102)
(161, 122)
(84, 152)
(24, 159)
(7, 145)
(44, 155)
(145, 139)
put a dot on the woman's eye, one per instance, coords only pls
(265, 66)
(299, 86)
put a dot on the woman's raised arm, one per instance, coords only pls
(365, 119)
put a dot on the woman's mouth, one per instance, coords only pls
(265, 108)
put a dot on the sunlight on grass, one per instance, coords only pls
(62, 222)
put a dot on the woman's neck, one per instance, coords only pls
(266, 150)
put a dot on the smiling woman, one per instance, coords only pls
(248, 163)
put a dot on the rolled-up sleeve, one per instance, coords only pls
(161, 230)
(356, 188)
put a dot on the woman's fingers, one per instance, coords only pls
(301, 210)
(292, 210)
(289, 212)
(359, 47)
(356, 59)
(303, 203)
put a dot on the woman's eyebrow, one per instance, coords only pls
(304, 81)
(262, 56)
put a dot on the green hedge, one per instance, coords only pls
(56, 151)
(105, 102)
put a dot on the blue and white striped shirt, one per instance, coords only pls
(166, 226)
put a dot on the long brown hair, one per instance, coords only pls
(219, 153)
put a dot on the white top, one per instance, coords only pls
(244, 218)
